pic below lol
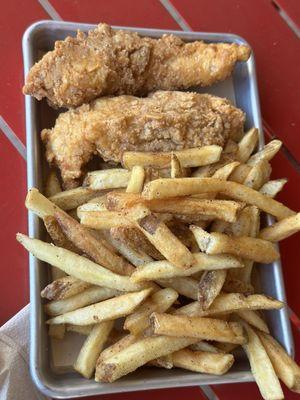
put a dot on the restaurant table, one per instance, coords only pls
(271, 28)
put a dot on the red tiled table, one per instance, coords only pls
(277, 55)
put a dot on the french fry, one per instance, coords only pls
(76, 266)
(227, 303)
(247, 247)
(261, 367)
(246, 145)
(106, 310)
(184, 285)
(107, 179)
(258, 175)
(235, 285)
(282, 229)
(210, 286)
(160, 236)
(164, 269)
(267, 153)
(176, 169)
(272, 188)
(104, 219)
(82, 238)
(285, 367)
(164, 188)
(254, 319)
(187, 158)
(240, 173)
(162, 362)
(57, 331)
(204, 362)
(159, 301)
(136, 181)
(116, 347)
(91, 295)
(64, 288)
(86, 361)
(225, 171)
(57, 235)
(204, 346)
(52, 184)
(69, 199)
(82, 330)
(39, 204)
(138, 354)
(231, 147)
(196, 327)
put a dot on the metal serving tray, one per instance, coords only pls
(241, 88)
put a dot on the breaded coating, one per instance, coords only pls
(164, 121)
(107, 62)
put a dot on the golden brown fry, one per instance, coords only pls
(254, 319)
(162, 362)
(258, 175)
(64, 288)
(271, 188)
(69, 199)
(210, 285)
(282, 229)
(183, 285)
(107, 179)
(204, 346)
(116, 347)
(39, 204)
(225, 171)
(177, 171)
(240, 173)
(57, 235)
(204, 362)
(104, 219)
(136, 181)
(267, 153)
(246, 145)
(52, 184)
(196, 327)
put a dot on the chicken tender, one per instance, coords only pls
(107, 62)
(163, 121)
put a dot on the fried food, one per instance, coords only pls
(106, 62)
(163, 121)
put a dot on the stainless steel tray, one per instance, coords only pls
(241, 88)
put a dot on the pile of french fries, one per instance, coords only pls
(171, 258)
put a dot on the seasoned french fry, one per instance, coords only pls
(204, 362)
(225, 347)
(76, 266)
(247, 247)
(285, 367)
(240, 173)
(225, 171)
(39, 204)
(176, 169)
(107, 179)
(282, 229)
(187, 158)
(86, 361)
(162, 362)
(164, 188)
(87, 243)
(63, 288)
(210, 286)
(271, 188)
(267, 153)
(52, 184)
(261, 367)
(204, 346)
(235, 285)
(258, 175)
(231, 147)
(184, 285)
(89, 296)
(115, 348)
(254, 319)
(103, 219)
(196, 327)
(69, 199)
(106, 310)
(136, 181)
(160, 236)
(57, 235)
(246, 145)
(57, 331)
(164, 269)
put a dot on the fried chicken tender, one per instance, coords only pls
(107, 62)
(163, 121)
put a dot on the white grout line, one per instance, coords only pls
(50, 10)
(176, 15)
(13, 138)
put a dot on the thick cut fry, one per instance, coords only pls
(204, 362)
(254, 319)
(39, 204)
(162, 362)
(184, 285)
(164, 188)
(82, 330)
(200, 328)
(52, 184)
(57, 235)
(161, 237)
(246, 145)
(138, 354)
(187, 158)
(261, 367)
(164, 269)
(258, 175)
(92, 347)
(136, 181)
(57, 331)
(285, 367)
(267, 153)
(63, 288)
(225, 171)
(87, 243)
(117, 347)
(282, 229)
(247, 247)
(230, 302)
(104, 219)
(210, 286)
(240, 173)
(272, 188)
(77, 266)
(89, 296)
(106, 310)
(177, 171)
(97, 206)
(159, 301)
(73, 198)
(107, 179)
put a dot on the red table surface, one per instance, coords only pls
(276, 49)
